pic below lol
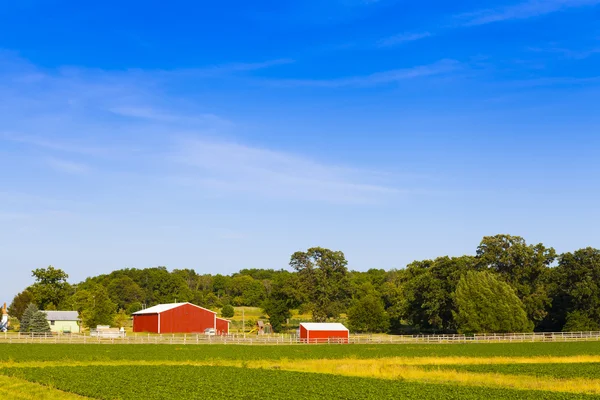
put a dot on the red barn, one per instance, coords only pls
(222, 327)
(175, 318)
(321, 332)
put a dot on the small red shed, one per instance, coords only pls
(222, 327)
(323, 332)
(174, 318)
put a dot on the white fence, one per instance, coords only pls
(189, 339)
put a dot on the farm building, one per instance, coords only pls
(63, 321)
(178, 318)
(222, 326)
(321, 332)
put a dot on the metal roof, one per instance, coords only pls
(62, 315)
(160, 308)
(323, 326)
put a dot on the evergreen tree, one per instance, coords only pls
(27, 316)
(485, 304)
(39, 323)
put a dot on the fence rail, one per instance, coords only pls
(191, 339)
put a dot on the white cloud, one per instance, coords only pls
(69, 167)
(528, 9)
(128, 126)
(380, 78)
(402, 38)
(227, 168)
(568, 53)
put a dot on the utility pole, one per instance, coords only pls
(244, 323)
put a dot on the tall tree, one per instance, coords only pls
(485, 304)
(283, 298)
(94, 306)
(324, 277)
(524, 267)
(428, 290)
(50, 287)
(20, 303)
(576, 290)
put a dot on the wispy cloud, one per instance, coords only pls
(228, 167)
(50, 144)
(67, 166)
(402, 38)
(227, 68)
(567, 53)
(82, 115)
(160, 115)
(380, 78)
(528, 9)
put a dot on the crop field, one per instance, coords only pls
(471, 371)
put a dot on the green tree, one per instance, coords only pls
(485, 304)
(283, 298)
(249, 291)
(576, 289)
(367, 314)
(51, 286)
(121, 318)
(20, 303)
(524, 267)
(123, 291)
(580, 321)
(94, 306)
(39, 323)
(227, 311)
(323, 275)
(427, 300)
(26, 317)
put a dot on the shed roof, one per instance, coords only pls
(323, 326)
(62, 315)
(160, 308)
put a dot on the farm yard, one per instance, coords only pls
(469, 371)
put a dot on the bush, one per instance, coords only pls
(227, 311)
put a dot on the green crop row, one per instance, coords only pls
(105, 352)
(560, 371)
(186, 382)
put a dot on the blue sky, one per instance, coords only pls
(228, 135)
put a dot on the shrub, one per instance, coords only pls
(227, 311)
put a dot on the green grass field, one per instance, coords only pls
(470, 371)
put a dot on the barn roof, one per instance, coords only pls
(160, 308)
(323, 326)
(62, 315)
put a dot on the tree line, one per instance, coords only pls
(507, 286)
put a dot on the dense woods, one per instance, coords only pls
(508, 285)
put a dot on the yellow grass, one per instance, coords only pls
(390, 369)
(18, 389)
